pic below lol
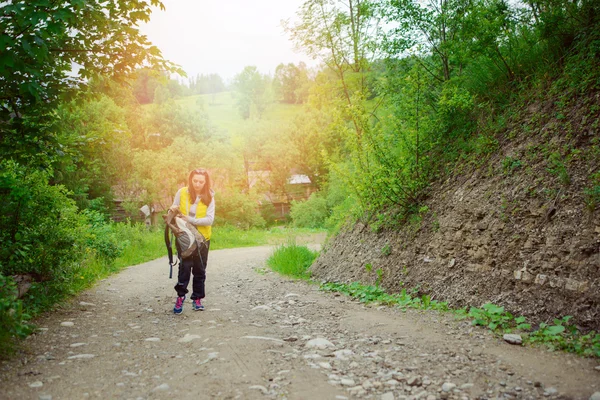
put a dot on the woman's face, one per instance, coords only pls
(198, 181)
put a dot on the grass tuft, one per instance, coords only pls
(292, 260)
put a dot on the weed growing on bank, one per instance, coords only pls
(557, 336)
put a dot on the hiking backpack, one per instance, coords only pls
(187, 238)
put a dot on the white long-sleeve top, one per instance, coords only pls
(191, 217)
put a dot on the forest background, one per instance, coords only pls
(406, 93)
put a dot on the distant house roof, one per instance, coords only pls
(298, 179)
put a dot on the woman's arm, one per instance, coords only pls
(206, 220)
(176, 201)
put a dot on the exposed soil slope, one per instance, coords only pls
(517, 230)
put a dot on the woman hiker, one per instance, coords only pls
(196, 201)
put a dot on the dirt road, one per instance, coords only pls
(267, 337)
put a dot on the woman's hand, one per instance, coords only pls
(174, 208)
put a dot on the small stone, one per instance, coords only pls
(188, 338)
(343, 354)
(67, 323)
(260, 388)
(357, 391)
(162, 387)
(595, 396)
(387, 396)
(152, 339)
(45, 397)
(324, 365)
(367, 385)
(262, 338)
(414, 381)
(36, 384)
(597, 368)
(81, 357)
(448, 386)
(512, 338)
(347, 382)
(319, 343)
(312, 356)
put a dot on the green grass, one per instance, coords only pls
(142, 245)
(223, 114)
(292, 260)
(228, 237)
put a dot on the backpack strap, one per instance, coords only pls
(169, 251)
(169, 244)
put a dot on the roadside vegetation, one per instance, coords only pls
(559, 335)
(294, 261)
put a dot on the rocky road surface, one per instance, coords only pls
(264, 336)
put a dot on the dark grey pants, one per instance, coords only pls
(196, 265)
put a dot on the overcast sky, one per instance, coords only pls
(224, 36)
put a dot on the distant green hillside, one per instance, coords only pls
(222, 112)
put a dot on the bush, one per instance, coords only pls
(269, 214)
(310, 213)
(13, 321)
(102, 236)
(40, 229)
(239, 210)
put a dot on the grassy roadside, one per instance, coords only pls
(112, 248)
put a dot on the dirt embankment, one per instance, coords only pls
(519, 230)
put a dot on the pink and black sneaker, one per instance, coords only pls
(197, 305)
(178, 309)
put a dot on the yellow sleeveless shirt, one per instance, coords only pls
(184, 207)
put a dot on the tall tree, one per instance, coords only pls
(253, 92)
(40, 44)
(428, 27)
(343, 36)
(289, 83)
